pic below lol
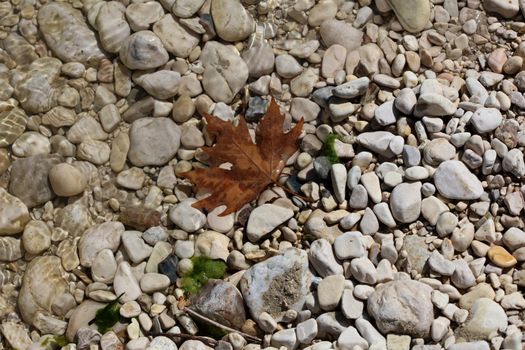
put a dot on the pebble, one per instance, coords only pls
(413, 14)
(187, 217)
(143, 50)
(44, 289)
(223, 12)
(402, 307)
(322, 258)
(141, 16)
(125, 283)
(349, 245)
(342, 33)
(76, 44)
(462, 277)
(212, 244)
(30, 179)
(453, 180)
(162, 84)
(306, 331)
(405, 202)
(363, 270)
(36, 237)
(10, 249)
(506, 9)
(329, 291)
(153, 141)
(486, 119)
(104, 236)
(104, 266)
(485, 318)
(264, 219)
(135, 247)
(112, 27)
(440, 264)
(14, 214)
(406, 101)
(333, 60)
(433, 105)
(222, 302)
(501, 257)
(287, 66)
(262, 285)
(437, 151)
(176, 38)
(66, 180)
(304, 108)
(221, 82)
(154, 282)
(186, 8)
(351, 339)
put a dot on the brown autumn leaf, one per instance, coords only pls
(254, 166)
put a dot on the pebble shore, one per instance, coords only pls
(412, 235)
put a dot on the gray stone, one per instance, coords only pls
(405, 202)
(67, 34)
(486, 119)
(264, 219)
(513, 163)
(340, 32)
(350, 339)
(506, 9)
(349, 245)
(434, 105)
(413, 14)
(406, 101)
(153, 141)
(143, 50)
(232, 21)
(221, 302)
(29, 179)
(352, 89)
(486, 318)
(322, 258)
(277, 284)
(453, 180)
(386, 113)
(402, 307)
(186, 217)
(225, 72)
(440, 264)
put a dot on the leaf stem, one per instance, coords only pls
(221, 326)
(206, 340)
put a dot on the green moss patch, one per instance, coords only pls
(203, 269)
(108, 316)
(329, 148)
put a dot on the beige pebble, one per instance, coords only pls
(36, 237)
(501, 257)
(14, 214)
(497, 59)
(66, 180)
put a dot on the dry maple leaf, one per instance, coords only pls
(254, 166)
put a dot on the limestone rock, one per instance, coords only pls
(29, 179)
(221, 302)
(278, 281)
(402, 307)
(13, 214)
(44, 289)
(67, 34)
